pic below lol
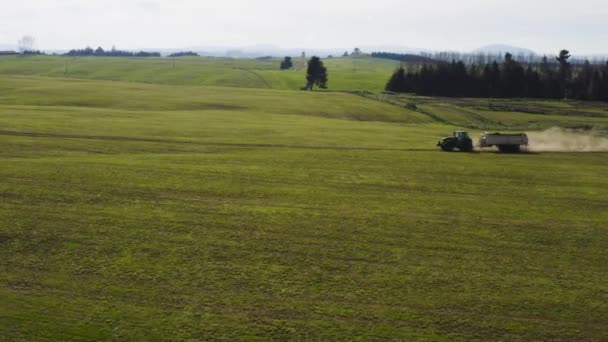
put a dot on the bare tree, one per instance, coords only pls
(26, 44)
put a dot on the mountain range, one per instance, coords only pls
(255, 51)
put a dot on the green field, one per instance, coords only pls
(144, 205)
(351, 73)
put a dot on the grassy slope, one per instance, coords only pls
(135, 211)
(505, 114)
(371, 74)
(136, 96)
(346, 74)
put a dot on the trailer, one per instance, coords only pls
(504, 142)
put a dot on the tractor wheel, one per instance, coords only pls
(447, 147)
(508, 148)
(467, 147)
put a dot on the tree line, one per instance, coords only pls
(184, 54)
(23, 53)
(489, 57)
(547, 79)
(408, 58)
(100, 52)
(481, 58)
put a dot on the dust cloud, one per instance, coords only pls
(566, 140)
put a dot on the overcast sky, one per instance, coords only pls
(541, 25)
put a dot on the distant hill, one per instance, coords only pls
(502, 48)
(255, 51)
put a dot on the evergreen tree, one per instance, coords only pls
(473, 82)
(582, 82)
(491, 80)
(397, 83)
(565, 72)
(511, 79)
(604, 83)
(459, 83)
(594, 90)
(425, 80)
(547, 79)
(533, 84)
(287, 63)
(316, 74)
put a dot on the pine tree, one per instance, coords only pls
(565, 72)
(397, 83)
(513, 78)
(604, 83)
(582, 82)
(316, 74)
(287, 63)
(491, 79)
(594, 90)
(533, 84)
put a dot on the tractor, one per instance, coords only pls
(460, 140)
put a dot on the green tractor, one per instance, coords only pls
(460, 140)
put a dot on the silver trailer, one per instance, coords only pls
(504, 142)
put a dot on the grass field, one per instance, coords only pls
(132, 211)
(352, 73)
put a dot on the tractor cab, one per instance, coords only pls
(461, 135)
